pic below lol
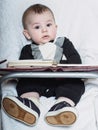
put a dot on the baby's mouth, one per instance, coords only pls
(45, 37)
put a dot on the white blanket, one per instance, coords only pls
(78, 21)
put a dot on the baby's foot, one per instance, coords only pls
(21, 109)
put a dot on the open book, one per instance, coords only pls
(31, 63)
(48, 65)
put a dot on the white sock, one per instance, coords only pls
(35, 100)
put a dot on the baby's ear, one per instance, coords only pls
(56, 27)
(26, 34)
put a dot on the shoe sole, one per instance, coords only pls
(66, 118)
(15, 111)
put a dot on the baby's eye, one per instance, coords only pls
(49, 24)
(37, 27)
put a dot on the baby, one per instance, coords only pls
(40, 27)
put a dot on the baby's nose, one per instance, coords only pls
(44, 29)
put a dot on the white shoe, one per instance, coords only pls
(61, 114)
(21, 109)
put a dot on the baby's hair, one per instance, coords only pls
(36, 9)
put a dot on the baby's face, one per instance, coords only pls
(41, 28)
